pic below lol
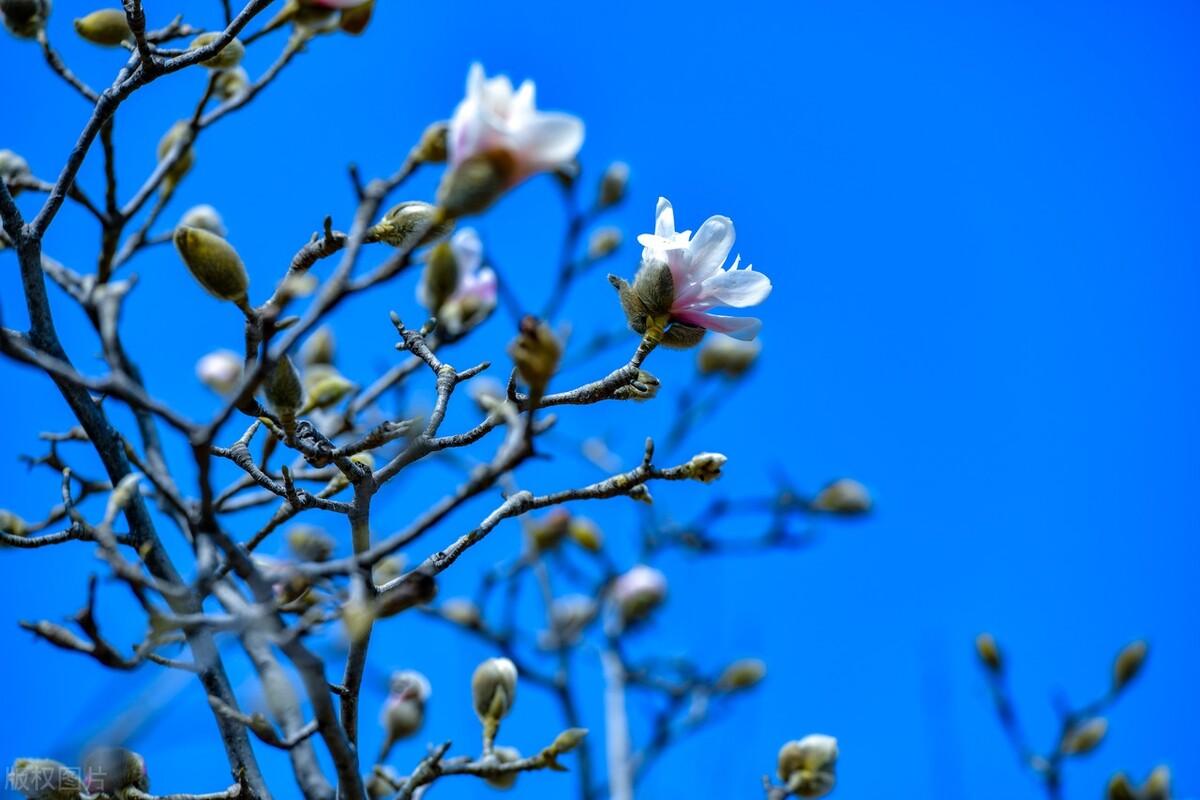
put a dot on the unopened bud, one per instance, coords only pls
(231, 83)
(504, 780)
(586, 533)
(24, 18)
(12, 166)
(108, 27)
(613, 184)
(568, 740)
(494, 689)
(319, 348)
(179, 132)
(44, 779)
(1129, 663)
(387, 570)
(1085, 737)
(1158, 785)
(742, 674)
(111, 770)
(462, 611)
(12, 524)
(1119, 788)
(569, 617)
(644, 387)
(440, 278)
(213, 262)
(432, 147)
(603, 242)
(227, 57)
(808, 766)
(641, 494)
(403, 713)
(706, 467)
(220, 371)
(546, 533)
(989, 652)
(638, 592)
(355, 18)
(471, 186)
(310, 543)
(204, 217)
(843, 496)
(325, 386)
(724, 355)
(283, 388)
(410, 224)
(535, 351)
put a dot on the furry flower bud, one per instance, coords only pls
(231, 83)
(723, 355)
(613, 184)
(44, 779)
(177, 133)
(283, 388)
(1119, 788)
(11, 524)
(546, 533)
(535, 351)
(108, 27)
(204, 217)
(220, 371)
(310, 543)
(213, 263)
(1129, 663)
(494, 689)
(319, 348)
(410, 224)
(742, 674)
(1084, 737)
(462, 611)
(111, 770)
(603, 242)
(586, 533)
(843, 496)
(227, 57)
(432, 147)
(324, 386)
(472, 185)
(504, 780)
(706, 467)
(1158, 785)
(638, 592)
(989, 652)
(808, 766)
(440, 277)
(403, 713)
(24, 18)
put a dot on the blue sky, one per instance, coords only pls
(980, 221)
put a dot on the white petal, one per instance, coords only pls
(711, 245)
(737, 288)
(468, 250)
(549, 141)
(664, 219)
(744, 328)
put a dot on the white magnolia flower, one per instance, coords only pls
(697, 270)
(220, 371)
(475, 295)
(494, 117)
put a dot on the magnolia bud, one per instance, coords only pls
(403, 713)
(1129, 663)
(231, 83)
(319, 348)
(535, 351)
(462, 611)
(586, 533)
(110, 770)
(204, 217)
(11, 524)
(227, 57)
(568, 740)
(24, 18)
(706, 467)
(724, 355)
(12, 166)
(107, 27)
(310, 543)
(324, 386)
(440, 278)
(432, 147)
(410, 224)
(220, 371)
(1084, 737)
(379, 787)
(505, 780)
(642, 388)
(613, 184)
(471, 186)
(742, 674)
(569, 616)
(989, 652)
(283, 389)
(355, 18)
(547, 532)
(175, 134)
(603, 242)
(1158, 785)
(494, 688)
(638, 592)
(1119, 788)
(808, 766)
(654, 288)
(843, 496)
(213, 262)
(488, 393)
(44, 779)
(387, 570)
(641, 494)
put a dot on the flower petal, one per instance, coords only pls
(744, 328)
(664, 220)
(711, 245)
(548, 141)
(737, 288)
(468, 251)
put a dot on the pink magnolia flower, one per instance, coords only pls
(697, 270)
(475, 295)
(494, 117)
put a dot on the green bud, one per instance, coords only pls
(473, 185)
(808, 766)
(505, 780)
(586, 533)
(1084, 737)
(440, 278)
(310, 543)
(1158, 785)
(12, 524)
(325, 387)
(613, 184)
(603, 242)
(989, 652)
(231, 83)
(108, 27)
(283, 389)
(742, 674)
(227, 57)
(319, 348)
(213, 262)
(432, 147)
(410, 224)
(44, 779)
(177, 133)
(843, 496)
(25, 18)
(1119, 788)
(462, 611)
(204, 217)
(568, 740)
(1129, 663)
(494, 689)
(641, 494)
(535, 351)
(726, 356)
(549, 531)
(354, 19)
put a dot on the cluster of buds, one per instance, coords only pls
(493, 692)
(25, 18)
(638, 592)
(1156, 787)
(403, 712)
(808, 766)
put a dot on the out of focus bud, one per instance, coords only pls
(410, 224)
(535, 351)
(462, 611)
(440, 278)
(569, 616)
(742, 674)
(319, 348)
(204, 217)
(1084, 737)
(808, 766)
(220, 370)
(475, 183)
(1129, 663)
(1119, 788)
(177, 133)
(706, 467)
(12, 166)
(324, 386)
(641, 494)
(488, 393)
(231, 83)
(227, 57)
(432, 147)
(283, 388)
(568, 740)
(44, 779)
(505, 780)
(11, 524)
(388, 569)
(24, 18)
(586, 533)
(638, 592)
(603, 242)
(546, 533)
(989, 652)
(843, 496)
(355, 18)
(727, 356)
(111, 770)
(107, 27)
(403, 712)
(310, 543)
(613, 184)
(494, 689)
(1158, 785)
(213, 262)
(378, 787)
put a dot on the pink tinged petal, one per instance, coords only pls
(711, 246)
(737, 288)
(548, 141)
(664, 219)
(468, 251)
(484, 287)
(744, 328)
